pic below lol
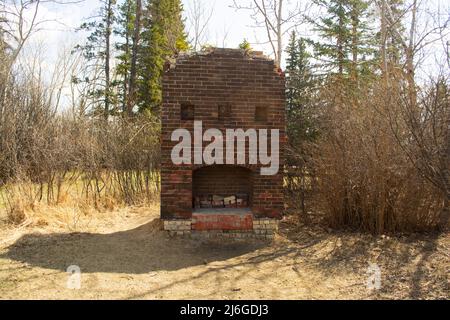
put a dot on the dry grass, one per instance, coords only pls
(26, 202)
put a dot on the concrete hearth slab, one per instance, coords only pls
(223, 211)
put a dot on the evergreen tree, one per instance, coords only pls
(97, 51)
(346, 47)
(124, 30)
(129, 31)
(163, 36)
(301, 119)
(300, 85)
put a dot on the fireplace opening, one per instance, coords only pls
(221, 188)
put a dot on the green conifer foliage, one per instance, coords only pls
(163, 36)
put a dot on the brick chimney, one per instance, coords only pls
(224, 89)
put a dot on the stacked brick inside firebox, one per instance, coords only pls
(225, 89)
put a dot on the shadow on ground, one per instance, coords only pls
(137, 251)
(408, 263)
(303, 262)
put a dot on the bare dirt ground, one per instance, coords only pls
(124, 255)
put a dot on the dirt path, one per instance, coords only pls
(126, 256)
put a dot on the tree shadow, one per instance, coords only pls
(403, 260)
(137, 251)
(420, 273)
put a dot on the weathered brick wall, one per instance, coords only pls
(225, 88)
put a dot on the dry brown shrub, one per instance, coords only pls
(16, 213)
(364, 180)
(53, 158)
(17, 200)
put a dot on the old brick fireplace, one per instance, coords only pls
(225, 89)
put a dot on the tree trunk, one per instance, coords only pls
(107, 59)
(410, 72)
(134, 57)
(127, 51)
(279, 34)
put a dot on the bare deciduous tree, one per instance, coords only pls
(19, 21)
(277, 17)
(199, 16)
(421, 122)
(418, 36)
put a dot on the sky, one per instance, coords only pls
(227, 26)
(57, 35)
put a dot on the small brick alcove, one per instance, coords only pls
(225, 89)
(232, 186)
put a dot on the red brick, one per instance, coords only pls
(241, 81)
(222, 222)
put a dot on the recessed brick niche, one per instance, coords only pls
(225, 89)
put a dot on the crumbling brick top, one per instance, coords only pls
(249, 54)
(219, 52)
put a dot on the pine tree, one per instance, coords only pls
(129, 31)
(163, 36)
(134, 58)
(124, 30)
(301, 123)
(300, 85)
(346, 47)
(97, 51)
